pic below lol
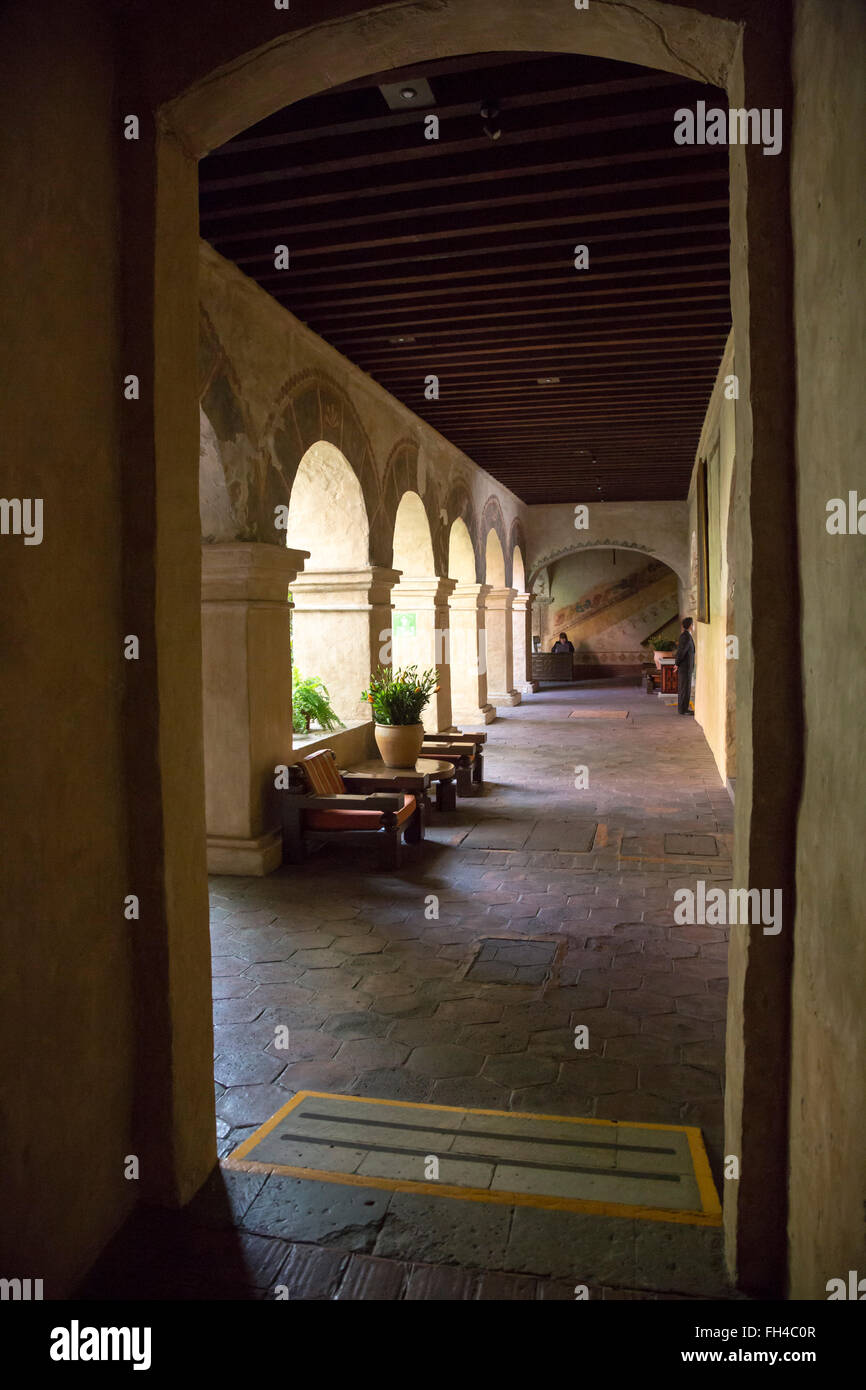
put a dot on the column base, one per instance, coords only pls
(529, 687)
(508, 697)
(484, 715)
(227, 854)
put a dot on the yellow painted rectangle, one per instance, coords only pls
(709, 1215)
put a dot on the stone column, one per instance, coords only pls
(341, 631)
(500, 647)
(521, 611)
(247, 692)
(469, 655)
(422, 637)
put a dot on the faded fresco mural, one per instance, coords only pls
(609, 603)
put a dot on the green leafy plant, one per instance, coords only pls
(311, 701)
(398, 697)
(662, 644)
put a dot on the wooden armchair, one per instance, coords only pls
(320, 803)
(465, 752)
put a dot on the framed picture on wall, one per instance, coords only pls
(703, 519)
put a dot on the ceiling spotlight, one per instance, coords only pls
(397, 342)
(416, 92)
(489, 115)
(548, 381)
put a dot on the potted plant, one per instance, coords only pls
(310, 700)
(398, 698)
(662, 647)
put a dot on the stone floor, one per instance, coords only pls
(387, 990)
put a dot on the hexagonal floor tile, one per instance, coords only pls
(444, 1059)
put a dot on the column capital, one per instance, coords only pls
(468, 596)
(248, 571)
(500, 598)
(432, 590)
(344, 588)
(522, 601)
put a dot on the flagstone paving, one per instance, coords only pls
(388, 988)
(585, 830)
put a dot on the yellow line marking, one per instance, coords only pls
(704, 1178)
(710, 1215)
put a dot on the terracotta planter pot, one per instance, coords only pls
(399, 744)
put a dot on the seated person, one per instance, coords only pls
(563, 645)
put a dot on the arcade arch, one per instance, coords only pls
(333, 629)
(420, 618)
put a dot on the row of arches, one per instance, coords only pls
(249, 468)
(443, 610)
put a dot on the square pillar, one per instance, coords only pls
(521, 612)
(500, 647)
(421, 637)
(247, 690)
(468, 655)
(341, 631)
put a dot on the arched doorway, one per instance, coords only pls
(609, 603)
(242, 82)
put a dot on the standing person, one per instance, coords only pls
(684, 659)
(563, 645)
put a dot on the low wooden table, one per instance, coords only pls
(466, 757)
(415, 779)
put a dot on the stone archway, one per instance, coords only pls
(468, 645)
(499, 610)
(420, 622)
(243, 81)
(342, 615)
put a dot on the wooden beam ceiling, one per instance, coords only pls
(454, 258)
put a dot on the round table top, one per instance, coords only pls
(435, 768)
(429, 767)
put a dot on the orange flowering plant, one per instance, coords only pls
(399, 696)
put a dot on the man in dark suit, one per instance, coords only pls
(684, 658)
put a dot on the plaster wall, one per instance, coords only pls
(67, 1030)
(828, 1119)
(271, 388)
(656, 528)
(715, 671)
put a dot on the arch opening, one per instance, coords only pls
(419, 626)
(330, 626)
(461, 553)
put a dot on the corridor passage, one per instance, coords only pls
(382, 999)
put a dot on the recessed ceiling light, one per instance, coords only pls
(416, 92)
(398, 341)
(548, 381)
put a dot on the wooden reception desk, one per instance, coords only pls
(552, 666)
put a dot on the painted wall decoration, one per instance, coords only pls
(607, 618)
